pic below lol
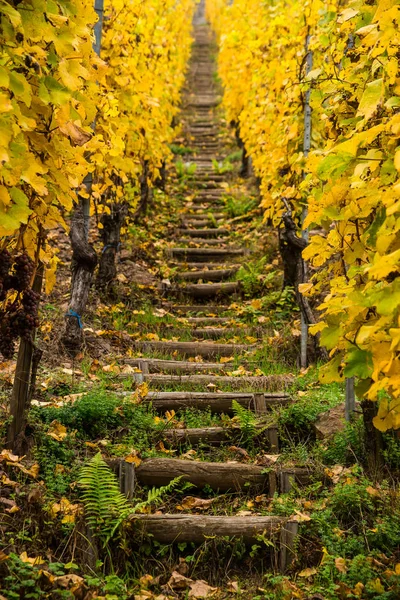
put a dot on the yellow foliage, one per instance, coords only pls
(350, 179)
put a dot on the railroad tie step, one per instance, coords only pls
(207, 290)
(203, 233)
(219, 436)
(196, 309)
(206, 349)
(159, 365)
(222, 476)
(200, 254)
(179, 528)
(249, 382)
(217, 402)
(203, 242)
(207, 275)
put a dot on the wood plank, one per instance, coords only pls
(217, 435)
(205, 233)
(203, 253)
(169, 528)
(206, 275)
(265, 383)
(206, 349)
(207, 290)
(218, 475)
(159, 365)
(217, 402)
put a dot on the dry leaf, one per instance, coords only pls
(57, 431)
(32, 561)
(308, 572)
(340, 564)
(133, 458)
(191, 502)
(201, 589)
(300, 517)
(178, 581)
(77, 135)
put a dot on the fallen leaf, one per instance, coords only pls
(201, 589)
(7, 455)
(57, 431)
(178, 581)
(340, 564)
(38, 560)
(300, 517)
(190, 502)
(308, 572)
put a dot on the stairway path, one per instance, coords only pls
(206, 258)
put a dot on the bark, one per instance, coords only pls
(373, 440)
(291, 247)
(84, 261)
(111, 238)
(245, 167)
(145, 194)
(24, 383)
(162, 178)
(216, 402)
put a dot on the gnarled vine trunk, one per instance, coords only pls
(111, 237)
(291, 247)
(84, 261)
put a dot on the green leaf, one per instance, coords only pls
(358, 363)
(371, 98)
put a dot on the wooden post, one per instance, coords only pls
(350, 403)
(127, 478)
(24, 381)
(260, 404)
(288, 535)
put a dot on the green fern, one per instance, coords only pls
(247, 420)
(106, 508)
(155, 495)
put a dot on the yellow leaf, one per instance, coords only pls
(308, 572)
(57, 431)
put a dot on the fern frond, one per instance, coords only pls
(247, 419)
(154, 495)
(103, 501)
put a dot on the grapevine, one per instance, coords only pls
(350, 181)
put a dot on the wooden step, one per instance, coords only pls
(196, 308)
(207, 275)
(194, 242)
(210, 253)
(246, 383)
(199, 223)
(218, 332)
(206, 348)
(180, 528)
(218, 402)
(207, 290)
(203, 233)
(218, 435)
(221, 476)
(158, 365)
